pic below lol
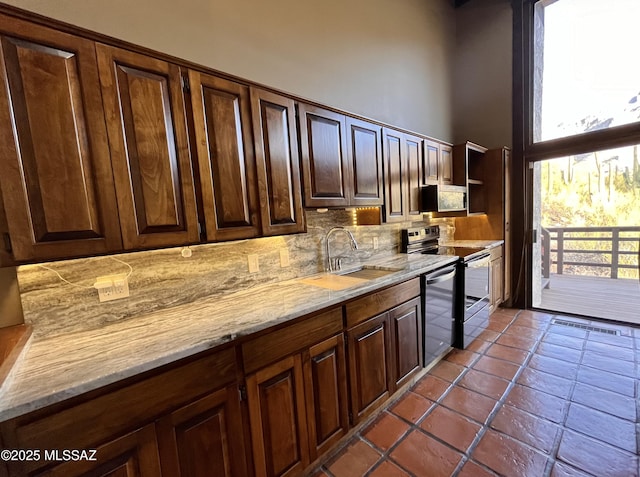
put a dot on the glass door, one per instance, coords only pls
(586, 218)
(582, 139)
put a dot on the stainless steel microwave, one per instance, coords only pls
(443, 198)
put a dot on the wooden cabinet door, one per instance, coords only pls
(278, 163)
(326, 392)
(204, 438)
(414, 155)
(325, 165)
(406, 332)
(226, 160)
(56, 179)
(431, 162)
(364, 150)
(278, 419)
(446, 164)
(144, 104)
(369, 355)
(496, 280)
(395, 176)
(134, 455)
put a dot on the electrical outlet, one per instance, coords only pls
(284, 257)
(375, 243)
(254, 266)
(112, 287)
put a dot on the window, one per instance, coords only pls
(586, 72)
(576, 93)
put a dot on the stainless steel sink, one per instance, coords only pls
(346, 279)
(367, 273)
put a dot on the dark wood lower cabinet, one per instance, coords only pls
(406, 332)
(326, 394)
(384, 345)
(369, 355)
(278, 419)
(190, 419)
(204, 438)
(133, 455)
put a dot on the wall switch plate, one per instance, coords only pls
(253, 263)
(284, 257)
(112, 287)
(375, 243)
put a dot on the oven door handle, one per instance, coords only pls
(478, 262)
(441, 276)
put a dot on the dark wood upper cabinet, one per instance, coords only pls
(431, 162)
(364, 151)
(144, 107)
(278, 163)
(225, 156)
(395, 165)
(414, 153)
(204, 438)
(446, 164)
(403, 169)
(325, 165)
(438, 163)
(56, 179)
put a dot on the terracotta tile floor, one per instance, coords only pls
(527, 398)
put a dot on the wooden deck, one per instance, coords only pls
(612, 299)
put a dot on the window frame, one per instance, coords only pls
(617, 136)
(526, 152)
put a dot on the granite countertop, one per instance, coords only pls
(473, 243)
(57, 368)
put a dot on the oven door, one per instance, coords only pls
(476, 285)
(475, 313)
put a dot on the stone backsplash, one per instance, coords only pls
(163, 278)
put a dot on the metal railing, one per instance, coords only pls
(600, 251)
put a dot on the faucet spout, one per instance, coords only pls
(334, 264)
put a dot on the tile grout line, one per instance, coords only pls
(438, 402)
(466, 456)
(563, 426)
(501, 402)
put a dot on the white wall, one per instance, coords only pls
(391, 60)
(483, 73)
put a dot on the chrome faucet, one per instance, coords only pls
(336, 263)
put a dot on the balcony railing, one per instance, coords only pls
(596, 251)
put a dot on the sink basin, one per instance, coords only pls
(341, 280)
(367, 273)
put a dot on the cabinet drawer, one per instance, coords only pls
(375, 303)
(275, 345)
(97, 420)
